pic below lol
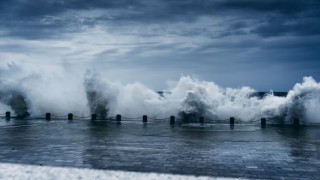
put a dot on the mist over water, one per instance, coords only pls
(85, 92)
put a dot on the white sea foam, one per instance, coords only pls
(22, 172)
(62, 91)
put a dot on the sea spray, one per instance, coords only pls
(97, 95)
(304, 101)
(65, 92)
(43, 89)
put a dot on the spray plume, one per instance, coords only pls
(35, 93)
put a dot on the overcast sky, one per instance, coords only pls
(263, 44)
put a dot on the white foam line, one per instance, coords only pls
(24, 172)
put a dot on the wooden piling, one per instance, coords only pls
(263, 122)
(144, 118)
(201, 119)
(172, 120)
(231, 121)
(118, 118)
(296, 122)
(48, 116)
(70, 116)
(8, 116)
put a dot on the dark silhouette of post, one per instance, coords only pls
(172, 120)
(144, 118)
(8, 116)
(93, 117)
(118, 118)
(48, 116)
(296, 122)
(70, 116)
(201, 119)
(263, 122)
(231, 121)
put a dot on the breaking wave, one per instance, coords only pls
(36, 94)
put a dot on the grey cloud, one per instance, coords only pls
(294, 27)
(218, 39)
(17, 14)
(279, 6)
(167, 8)
(306, 43)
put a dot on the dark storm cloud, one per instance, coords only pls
(290, 26)
(276, 18)
(45, 18)
(280, 6)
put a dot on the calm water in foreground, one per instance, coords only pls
(214, 150)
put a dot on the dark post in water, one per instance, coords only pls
(70, 116)
(48, 116)
(93, 117)
(296, 122)
(144, 118)
(8, 115)
(231, 121)
(263, 122)
(201, 119)
(118, 118)
(172, 120)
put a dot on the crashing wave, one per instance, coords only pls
(188, 99)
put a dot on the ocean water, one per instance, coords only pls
(191, 149)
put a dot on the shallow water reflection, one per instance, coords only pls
(216, 150)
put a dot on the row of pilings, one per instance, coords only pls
(118, 118)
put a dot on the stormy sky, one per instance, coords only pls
(263, 44)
